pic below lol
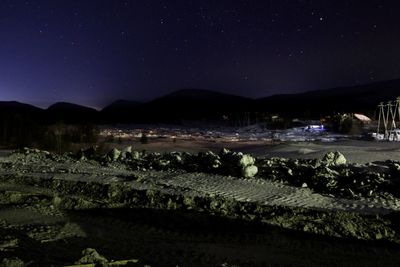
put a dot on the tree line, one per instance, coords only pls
(23, 130)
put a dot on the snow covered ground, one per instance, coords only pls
(229, 134)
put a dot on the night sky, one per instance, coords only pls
(93, 52)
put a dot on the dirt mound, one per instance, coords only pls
(329, 175)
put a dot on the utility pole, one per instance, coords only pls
(388, 105)
(397, 109)
(389, 111)
(381, 115)
(393, 115)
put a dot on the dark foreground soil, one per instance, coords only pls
(161, 238)
(48, 219)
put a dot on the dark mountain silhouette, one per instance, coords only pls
(362, 98)
(71, 113)
(185, 104)
(18, 123)
(196, 104)
(13, 112)
(122, 104)
(120, 111)
(186, 98)
(18, 108)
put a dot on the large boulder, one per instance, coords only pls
(90, 256)
(249, 171)
(238, 164)
(334, 159)
(246, 160)
(136, 155)
(126, 152)
(114, 154)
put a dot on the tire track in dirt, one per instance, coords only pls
(270, 193)
(239, 189)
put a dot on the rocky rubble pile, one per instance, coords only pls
(33, 155)
(14, 262)
(330, 175)
(90, 257)
(226, 162)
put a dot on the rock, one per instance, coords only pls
(208, 161)
(351, 193)
(127, 149)
(249, 171)
(126, 152)
(175, 159)
(35, 151)
(224, 151)
(14, 262)
(135, 155)
(89, 153)
(334, 159)
(162, 163)
(237, 164)
(90, 255)
(394, 168)
(268, 163)
(304, 185)
(326, 172)
(246, 160)
(114, 154)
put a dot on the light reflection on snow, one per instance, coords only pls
(227, 134)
